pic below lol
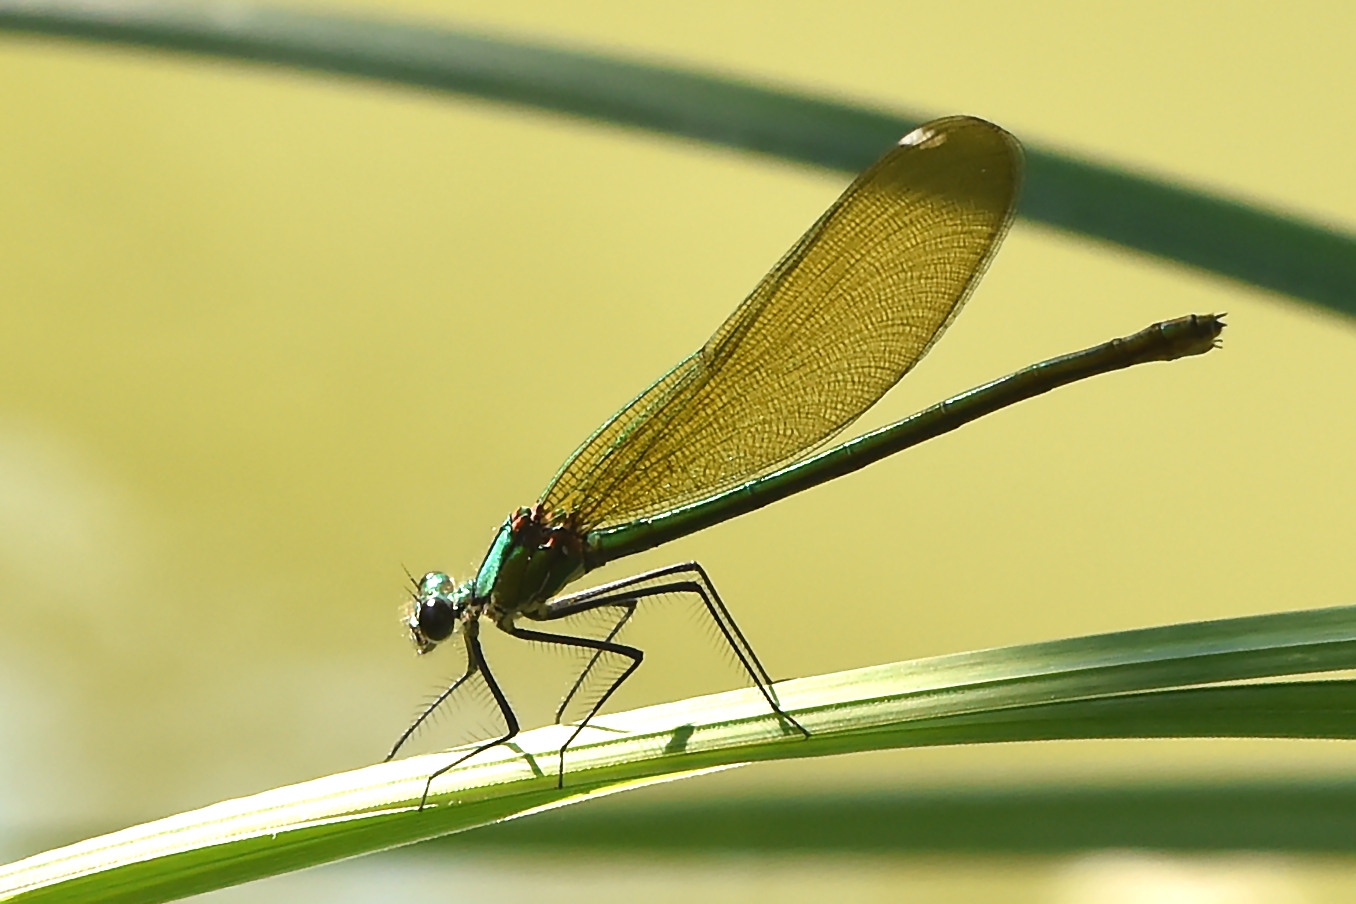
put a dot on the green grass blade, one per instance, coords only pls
(1284, 254)
(1145, 683)
(1297, 817)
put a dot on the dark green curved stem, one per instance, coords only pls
(1299, 815)
(1284, 254)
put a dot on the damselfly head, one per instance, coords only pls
(436, 611)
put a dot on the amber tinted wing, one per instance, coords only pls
(847, 312)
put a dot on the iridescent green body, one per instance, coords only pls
(1193, 334)
(849, 310)
(533, 557)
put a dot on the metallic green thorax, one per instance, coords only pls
(533, 556)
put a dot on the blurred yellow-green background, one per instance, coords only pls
(269, 338)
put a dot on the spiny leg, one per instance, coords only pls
(600, 646)
(685, 577)
(628, 610)
(475, 663)
(429, 710)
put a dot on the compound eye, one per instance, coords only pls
(436, 619)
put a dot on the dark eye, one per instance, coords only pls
(437, 619)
